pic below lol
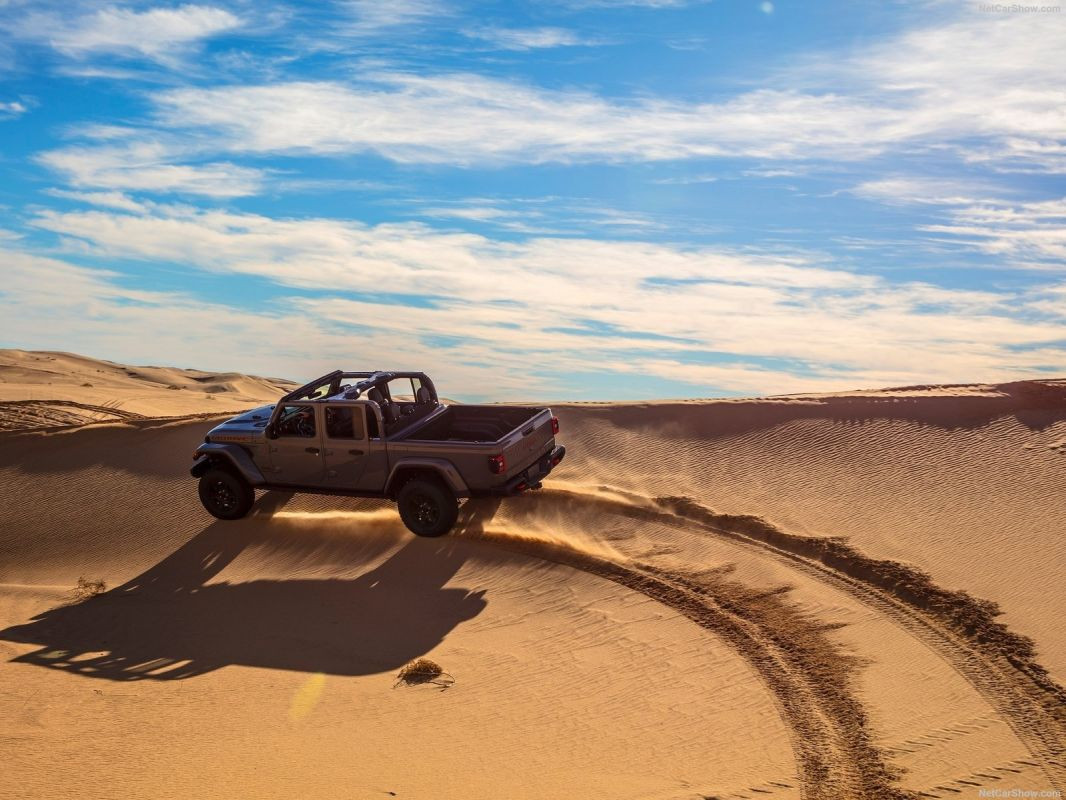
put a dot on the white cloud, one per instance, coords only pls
(148, 166)
(12, 108)
(475, 213)
(116, 200)
(593, 304)
(909, 190)
(157, 33)
(57, 302)
(468, 118)
(1025, 234)
(1015, 154)
(543, 215)
(373, 16)
(931, 89)
(685, 180)
(526, 38)
(990, 77)
(349, 255)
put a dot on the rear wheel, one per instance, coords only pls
(225, 495)
(427, 507)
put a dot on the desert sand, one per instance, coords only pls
(784, 597)
(48, 389)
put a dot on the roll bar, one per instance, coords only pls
(307, 388)
(369, 380)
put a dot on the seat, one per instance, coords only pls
(423, 396)
(388, 409)
(339, 422)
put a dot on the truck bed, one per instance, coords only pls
(472, 424)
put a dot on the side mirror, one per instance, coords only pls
(270, 432)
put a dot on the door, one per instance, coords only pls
(345, 446)
(296, 453)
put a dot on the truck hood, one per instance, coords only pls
(246, 427)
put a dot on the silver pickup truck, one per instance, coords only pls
(377, 434)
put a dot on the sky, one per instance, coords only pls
(562, 199)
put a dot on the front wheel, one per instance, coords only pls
(427, 508)
(225, 495)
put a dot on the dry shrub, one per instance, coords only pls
(422, 670)
(86, 589)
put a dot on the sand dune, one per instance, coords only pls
(963, 482)
(783, 597)
(49, 389)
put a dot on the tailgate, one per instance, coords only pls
(526, 444)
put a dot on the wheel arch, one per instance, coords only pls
(227, 456)
(436, 468)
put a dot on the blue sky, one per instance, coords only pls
(566, 199)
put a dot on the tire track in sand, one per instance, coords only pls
(806, 673)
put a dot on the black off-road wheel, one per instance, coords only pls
(427, 507)
(225, 495)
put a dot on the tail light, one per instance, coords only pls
(555, 425)
(497, 464)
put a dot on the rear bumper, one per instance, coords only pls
(534, 473)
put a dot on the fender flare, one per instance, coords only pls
(443, 468)
(234, 455)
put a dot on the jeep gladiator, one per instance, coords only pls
(377, 434)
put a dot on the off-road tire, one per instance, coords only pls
(225, 495)
(427, 507)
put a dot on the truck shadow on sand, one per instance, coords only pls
(169, 623)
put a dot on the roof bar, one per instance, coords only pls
(295, 393)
